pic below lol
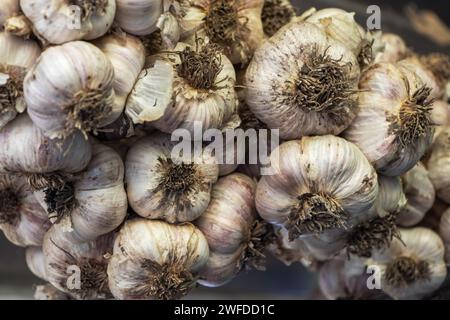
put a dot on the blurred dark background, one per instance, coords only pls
(279, 281)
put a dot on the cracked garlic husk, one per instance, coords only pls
(16, 56)
(288, 74)
(159, 187)
(156, 260)
(78, 269)
(71, 87)
(90, 203)
(276, 14)
(62, 21)
(420, 194)
(22, 219)
(439, 164)
(393, 127)
(310, 196)
(187, 86)
(234, 25)
(139, 17)
(413, 267)
(236, 236)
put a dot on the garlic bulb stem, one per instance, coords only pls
(276, 14)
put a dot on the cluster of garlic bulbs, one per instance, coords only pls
(95, 96)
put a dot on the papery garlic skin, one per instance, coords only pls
(65, 257)
(284, 62)
(35, 259)
(22, 219)
(63, 21)
(10, 8)
(393, 50)
(234, 25)
(439, 165)
(26, 149)
(16, 56)
(127, 55)
(316, 172)
(420, 194)
(230, 227)
(160, 187)
(156, 260)
(71, 87)
(99, 198)
(139, 17)
(444, 232)
(419, 248)
(393, 127)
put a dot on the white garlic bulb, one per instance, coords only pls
(156, 260)
(413, 267)
(10, 8)
(276, 14)
(61, 21)
(302, 83)
(22, 219)
(340, 25)
(16, 56)
(90, 203)
(139, 17)
(26, 149)
(444, 232)
(71, 87)
(127, 55)
(439, 165)
(420, 194)
(318, 183)
(235, 236)
(393, 48)
(35, 259)
(185, 87)
(235, 26)
(78, 269)
(160, 187)
(393, 127)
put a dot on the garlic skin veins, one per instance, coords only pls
(287, 71)
(310, 196)
(16, 56)
(160, 187)
(22, 219)
(71, 87)
(64, 257)
(139, 17)
(234, 25)
(63, 21)
(156, 260)
(393, 127)
(230, 224)
(420, 193)
(439, 164)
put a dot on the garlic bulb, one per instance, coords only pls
(235, 236)
(319, 183)
(139, 17)
(439, 165)
(26, 149)
(439, 65)
(35, 259)
(10, 8)
(127, 55)
(420, 194)
(302, 83)
(78, 269)
(440, 115)
(62, 21)
(71, 87)
(90, 203)
(185, 87)
(393, 50)
(341, 26)
(22, 219)
(49, 292)
(444, 232)
(16, 56)
(413, 267)
(156, 260)
(393, 127)
(234, 25)
(160, 187)
(276, 14)
(377, 228)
